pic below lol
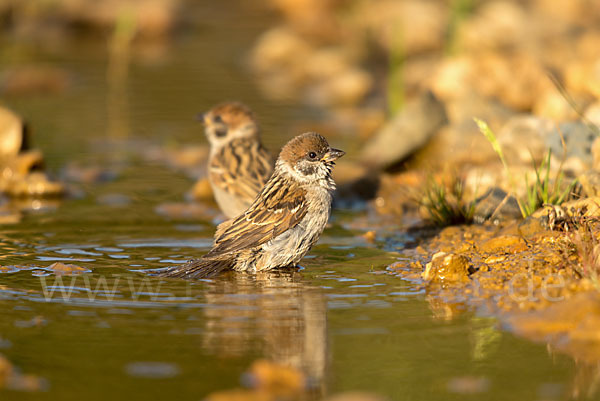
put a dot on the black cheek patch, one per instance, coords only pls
(307, 169)
(221, 132)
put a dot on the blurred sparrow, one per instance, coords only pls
(284, 221)
(238, 164)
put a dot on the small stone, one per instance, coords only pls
(507, 244)
(447, 268)
(495, 259)
(370, 236)
(61, 269)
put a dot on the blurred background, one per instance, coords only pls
(399, 80)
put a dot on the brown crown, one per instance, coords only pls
(302, 145)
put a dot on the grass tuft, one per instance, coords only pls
(445, 206)
(545, 190)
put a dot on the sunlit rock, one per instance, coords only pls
(408, 131)
(447, 268)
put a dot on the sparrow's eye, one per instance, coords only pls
(312, 155)
(217, 119)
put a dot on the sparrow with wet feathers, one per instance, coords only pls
(238, 164)
(284, 221)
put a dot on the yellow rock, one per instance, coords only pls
(447, 268)
(60, 268)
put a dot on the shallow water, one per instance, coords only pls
(120, 333)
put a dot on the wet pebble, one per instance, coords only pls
(447, 268)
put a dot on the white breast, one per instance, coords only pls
(288, 248)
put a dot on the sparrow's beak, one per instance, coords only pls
(201, 117)
(332, 155)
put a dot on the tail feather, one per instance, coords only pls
(198, 268)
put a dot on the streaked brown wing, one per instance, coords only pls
(278, 208)
(249, 166)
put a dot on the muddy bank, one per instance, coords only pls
(528, 276)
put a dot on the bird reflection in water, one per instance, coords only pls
(273, 313)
